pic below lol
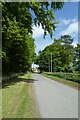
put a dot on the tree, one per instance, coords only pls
(61, 57)
(17, 21)
(44, 59)
(67, 41)
(41, 13)
(67, 51)
(77, 57)
(18, 47)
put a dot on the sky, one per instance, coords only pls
(68, 24)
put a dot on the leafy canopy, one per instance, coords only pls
(27, 13)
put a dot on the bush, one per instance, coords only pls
(67, 76)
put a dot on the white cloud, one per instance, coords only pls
(67, 21)
(72, 28)
(37, 31)
(75, 43)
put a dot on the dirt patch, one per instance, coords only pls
(21, 82)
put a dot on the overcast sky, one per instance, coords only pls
(68, 18)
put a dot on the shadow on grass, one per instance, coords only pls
(6, 83)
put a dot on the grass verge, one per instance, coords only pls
(18, 98)
(61, 80)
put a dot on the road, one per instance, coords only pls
(55, 100)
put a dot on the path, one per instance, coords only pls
(55, 100)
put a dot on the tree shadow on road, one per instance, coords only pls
(8, 82)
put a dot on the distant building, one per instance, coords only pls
(35, 70)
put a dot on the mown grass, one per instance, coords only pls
(18, 98)
(63, 78)
(0, 104)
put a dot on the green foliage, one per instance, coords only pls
(18, 47)
(17, 21)
(66, 76)
(77, 57)
(42, 14)
(67, 41)
(61, 55)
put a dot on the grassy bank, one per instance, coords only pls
(62, 78)
(18, 98)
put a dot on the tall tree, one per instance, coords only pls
(68, 50)
(67, 41)
(61, 57)
(17, 21)
(77, 58)
(18, 48)
(41, 13)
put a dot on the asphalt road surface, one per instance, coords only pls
(55, 100)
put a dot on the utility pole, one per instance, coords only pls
(51, 62)
(33, 65)
(49, 65)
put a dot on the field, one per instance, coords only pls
(19, 98)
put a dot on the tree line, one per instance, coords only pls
(18, 48)
(61, 55)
